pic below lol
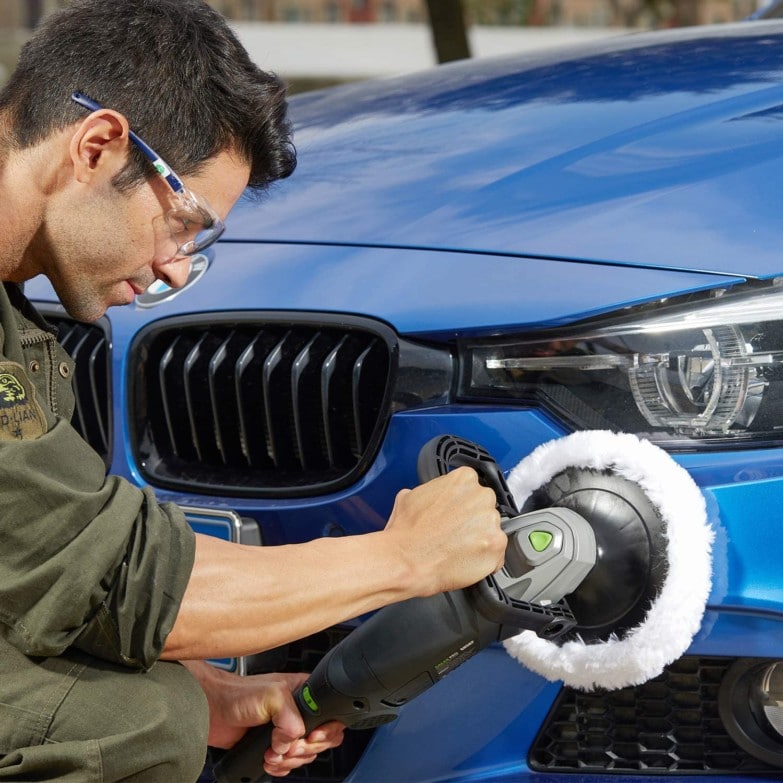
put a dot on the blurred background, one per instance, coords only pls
(314, 43)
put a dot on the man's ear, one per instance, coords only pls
(99, 146)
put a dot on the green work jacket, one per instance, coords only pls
(86, 561)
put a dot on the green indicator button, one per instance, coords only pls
(307, 695)
(540, 540)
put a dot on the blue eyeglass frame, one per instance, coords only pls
(163, 168)
(212, 221)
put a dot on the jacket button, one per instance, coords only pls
(64, 370)
(34, 366)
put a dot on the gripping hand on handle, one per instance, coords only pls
(239, 703)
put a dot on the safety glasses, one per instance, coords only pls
(192, 223)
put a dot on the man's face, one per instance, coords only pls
(114, 245)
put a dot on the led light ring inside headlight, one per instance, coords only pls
(704, 390)
(703, 371)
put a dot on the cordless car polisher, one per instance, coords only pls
(605, 581)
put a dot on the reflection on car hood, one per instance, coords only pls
(660, 149)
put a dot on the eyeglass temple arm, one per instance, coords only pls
(175, 183)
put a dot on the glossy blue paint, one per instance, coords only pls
(416, 292)
(653, 149)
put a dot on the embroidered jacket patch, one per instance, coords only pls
(21, 417)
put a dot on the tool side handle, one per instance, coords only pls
(445, 452)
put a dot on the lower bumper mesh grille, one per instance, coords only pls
(669, 725)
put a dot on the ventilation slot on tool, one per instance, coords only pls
(261, 408)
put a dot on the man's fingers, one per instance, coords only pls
(303, 751)
(329, 735)
(284, 767)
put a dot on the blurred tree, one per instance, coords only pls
(449, 34)
(34, 12)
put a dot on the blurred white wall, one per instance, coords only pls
(355, 51)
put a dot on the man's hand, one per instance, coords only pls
(237, 703)
(449, 531)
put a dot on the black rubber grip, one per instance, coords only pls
(244, 763)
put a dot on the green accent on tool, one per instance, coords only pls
(540, 540)
(307, 695)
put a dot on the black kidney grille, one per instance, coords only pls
(260, 407)
(669, 725)
(88, 346)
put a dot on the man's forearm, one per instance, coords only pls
(242, 600)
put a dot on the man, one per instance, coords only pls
(127, 132)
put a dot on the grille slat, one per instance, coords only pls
(187, 382)
(327, 376)
(274, 403)
(75, 345)
(251, 403)
(98, 369)
(261, 406)
(645, 729)
(215, 375)
(306, 393)
(298, 370)
(90, 348)
(358, 441)
(167, 405)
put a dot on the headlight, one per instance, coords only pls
(710, 372)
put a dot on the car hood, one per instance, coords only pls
(660, 150)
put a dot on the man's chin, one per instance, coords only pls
(84, 311)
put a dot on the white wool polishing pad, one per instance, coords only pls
(675, 616)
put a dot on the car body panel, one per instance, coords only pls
(602, 158)
(418, 292)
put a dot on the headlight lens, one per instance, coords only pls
(683, 375)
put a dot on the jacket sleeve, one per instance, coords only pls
(85, 560)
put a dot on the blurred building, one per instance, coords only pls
(588, 13)
(645, 13)
(323, 11)
(25, 14)
(324, 34)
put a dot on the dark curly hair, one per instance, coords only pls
(173, 67)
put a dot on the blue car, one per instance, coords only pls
(616, 208)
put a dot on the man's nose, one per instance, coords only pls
(173, 273)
